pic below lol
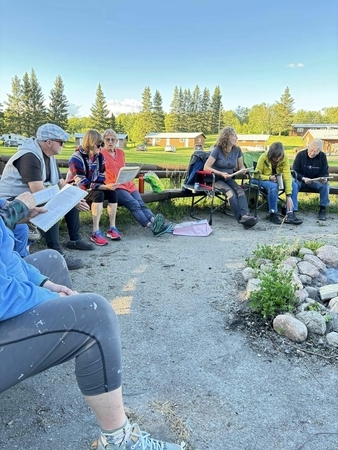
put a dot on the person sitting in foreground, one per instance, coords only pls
(224, 158)
(269, 164)
(44, 322)
(128, 194)
(87, 171)
(21, 233)
(33, 168)
(312, 163)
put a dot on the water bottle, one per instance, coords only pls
(141, 183)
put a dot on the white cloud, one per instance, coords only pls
(74, 110)
(128, 105)
(293, 65)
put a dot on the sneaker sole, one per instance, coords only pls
(164, 231)
(96, 243)
(113, 239)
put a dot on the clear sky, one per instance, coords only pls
(252, 49)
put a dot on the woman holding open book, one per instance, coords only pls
(128, 194)
(87, 171)
(225, 157)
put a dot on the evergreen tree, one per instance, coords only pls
(173, 118)
(13, 114)
(283, 113)
(99, 117)
(196, 107)
(216, 110)
(38, 109)
(205, 112)
(146, 119)
(34, 112)
(112, 121)
(158, 113)
(58, 107)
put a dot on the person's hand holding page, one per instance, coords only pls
(82, 205)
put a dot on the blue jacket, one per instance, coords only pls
(20, 282)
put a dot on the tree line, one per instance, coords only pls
(190, 111)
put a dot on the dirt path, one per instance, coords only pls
(185, 369)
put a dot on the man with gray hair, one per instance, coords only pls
(312, 171)
(33, 168)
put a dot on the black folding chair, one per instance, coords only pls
(206, 185)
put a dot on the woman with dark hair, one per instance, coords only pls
(225, 157)
(271, 163)
(87, 171)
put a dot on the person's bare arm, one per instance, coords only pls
(36, 186)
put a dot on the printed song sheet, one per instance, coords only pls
(66, 198)
(127, 174)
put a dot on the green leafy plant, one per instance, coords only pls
(314, 307)
(275, 253)
(313, 245)
(275, 294)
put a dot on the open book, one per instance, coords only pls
(127, 174)
(59, 202)
(240, 172)
(321, 178)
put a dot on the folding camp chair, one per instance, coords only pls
(206, 185)
(257, 196)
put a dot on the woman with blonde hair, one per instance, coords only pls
(128, 194)
(225, 157)
(87, 171)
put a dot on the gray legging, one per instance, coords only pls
(82, 326)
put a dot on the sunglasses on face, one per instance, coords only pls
(110, 139)
(100, 145)
(58, 141)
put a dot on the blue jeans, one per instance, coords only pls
(323, 189)
(135, 204)
(272, 188)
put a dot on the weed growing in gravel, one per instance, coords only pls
(276, 293)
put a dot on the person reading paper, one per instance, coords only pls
(224, 158)
(128, 194)
(312, 171)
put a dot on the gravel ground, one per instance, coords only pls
(197, 365)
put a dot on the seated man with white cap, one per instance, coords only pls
(33, 168)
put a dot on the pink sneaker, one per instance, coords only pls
(98, 238)
(114, 234)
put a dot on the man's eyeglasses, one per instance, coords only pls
(110, 139)
(58, 141)
(100, 145)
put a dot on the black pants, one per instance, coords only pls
(73, 224)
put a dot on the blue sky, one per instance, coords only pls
(252, 49)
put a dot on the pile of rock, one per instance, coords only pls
(317, 306)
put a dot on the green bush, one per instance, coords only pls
(275, 294)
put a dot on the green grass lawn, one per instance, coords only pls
(180, 159)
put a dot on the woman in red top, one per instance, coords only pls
(128, 194)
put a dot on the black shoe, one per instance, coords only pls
(249, 221)
(322, 214)
(73, 263)
(274, 218)
(292, 219)
(80, 244)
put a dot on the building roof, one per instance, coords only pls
(253, 137)
(315, 125)
(322, 134)
(174, 135)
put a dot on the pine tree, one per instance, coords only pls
(146, 119)
(173, 118)
(216, 110)
(158, 113)
(283, 113)
(38, 109)
(112, 121)
(13, 114)
(196, 110)
(205, 112)
(99, 118)
(58, 107)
